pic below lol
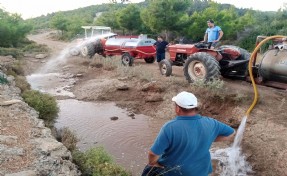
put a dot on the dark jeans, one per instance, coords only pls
(212, 44)
(158, 171)
(152, 171)
(160, 57)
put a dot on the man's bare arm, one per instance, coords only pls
(152, 159)
(225, 138)
(205, 37)
(220, 36)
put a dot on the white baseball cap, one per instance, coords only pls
(185, 100)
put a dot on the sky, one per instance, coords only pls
(34, 8)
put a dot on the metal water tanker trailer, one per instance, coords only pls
(131, 48)
(128, 47)
(270, 63)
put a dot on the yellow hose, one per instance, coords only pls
(251, 73)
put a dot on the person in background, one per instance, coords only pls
(213, 34)
(160, 45)
(182, 145)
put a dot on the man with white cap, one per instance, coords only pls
(182, 145)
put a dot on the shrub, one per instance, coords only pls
(215, 87)
(67, 137)
(109, 63)
(45, 104)
(34, 47)
(16, 53)
(22, 83)
(97, 162)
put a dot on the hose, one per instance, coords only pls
(255, 99)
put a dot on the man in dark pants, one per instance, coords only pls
(160, 48)
(182, 145)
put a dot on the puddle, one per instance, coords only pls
(55, 84)
(127, 139)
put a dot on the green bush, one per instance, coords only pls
(45, 104)
(97, 162)
(16, 53)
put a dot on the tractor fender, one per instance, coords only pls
(214, 53)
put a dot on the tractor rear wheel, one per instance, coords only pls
(88, 50)
(149, 60)
(127, 59)
(244, 55)
(201, 66)
(165, 67)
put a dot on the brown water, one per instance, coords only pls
(127, 139)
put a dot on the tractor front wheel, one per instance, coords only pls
(127, 59)
(88, 50)
(201, 66)
(165, 67)
(149, 60)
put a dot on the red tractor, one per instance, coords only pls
(201, 63)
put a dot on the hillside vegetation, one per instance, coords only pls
(173, 18)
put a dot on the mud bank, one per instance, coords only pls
(27, 147)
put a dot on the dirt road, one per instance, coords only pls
(265, 138)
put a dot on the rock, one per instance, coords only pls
(41, 56)
(131, 114)
(9, 57)
(47, 145)
(10, 78)
(23, 173)
(9, 102)
(123, 87)
(29, 55)
(114, 118)
(7, 151)
(154, 98)
(79, 75)
(8, 140)
(152, 87)
(123, 79)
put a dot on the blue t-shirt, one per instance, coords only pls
(183, 144)
(212, 33)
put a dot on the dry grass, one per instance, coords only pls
(22, 83)
(67, 137)
(107, 63)
(135, 71)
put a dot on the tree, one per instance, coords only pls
(108, 19)
(129, 18)
(59, 22)
(13, 29)
(163, 15)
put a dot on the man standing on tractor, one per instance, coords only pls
(160, 48)
(213, 34)
(182, 145)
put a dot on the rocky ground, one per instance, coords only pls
(27, 147)
(142, 89)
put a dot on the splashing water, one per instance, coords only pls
(64, 55)
(232, 161)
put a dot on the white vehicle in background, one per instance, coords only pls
(92, 34)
